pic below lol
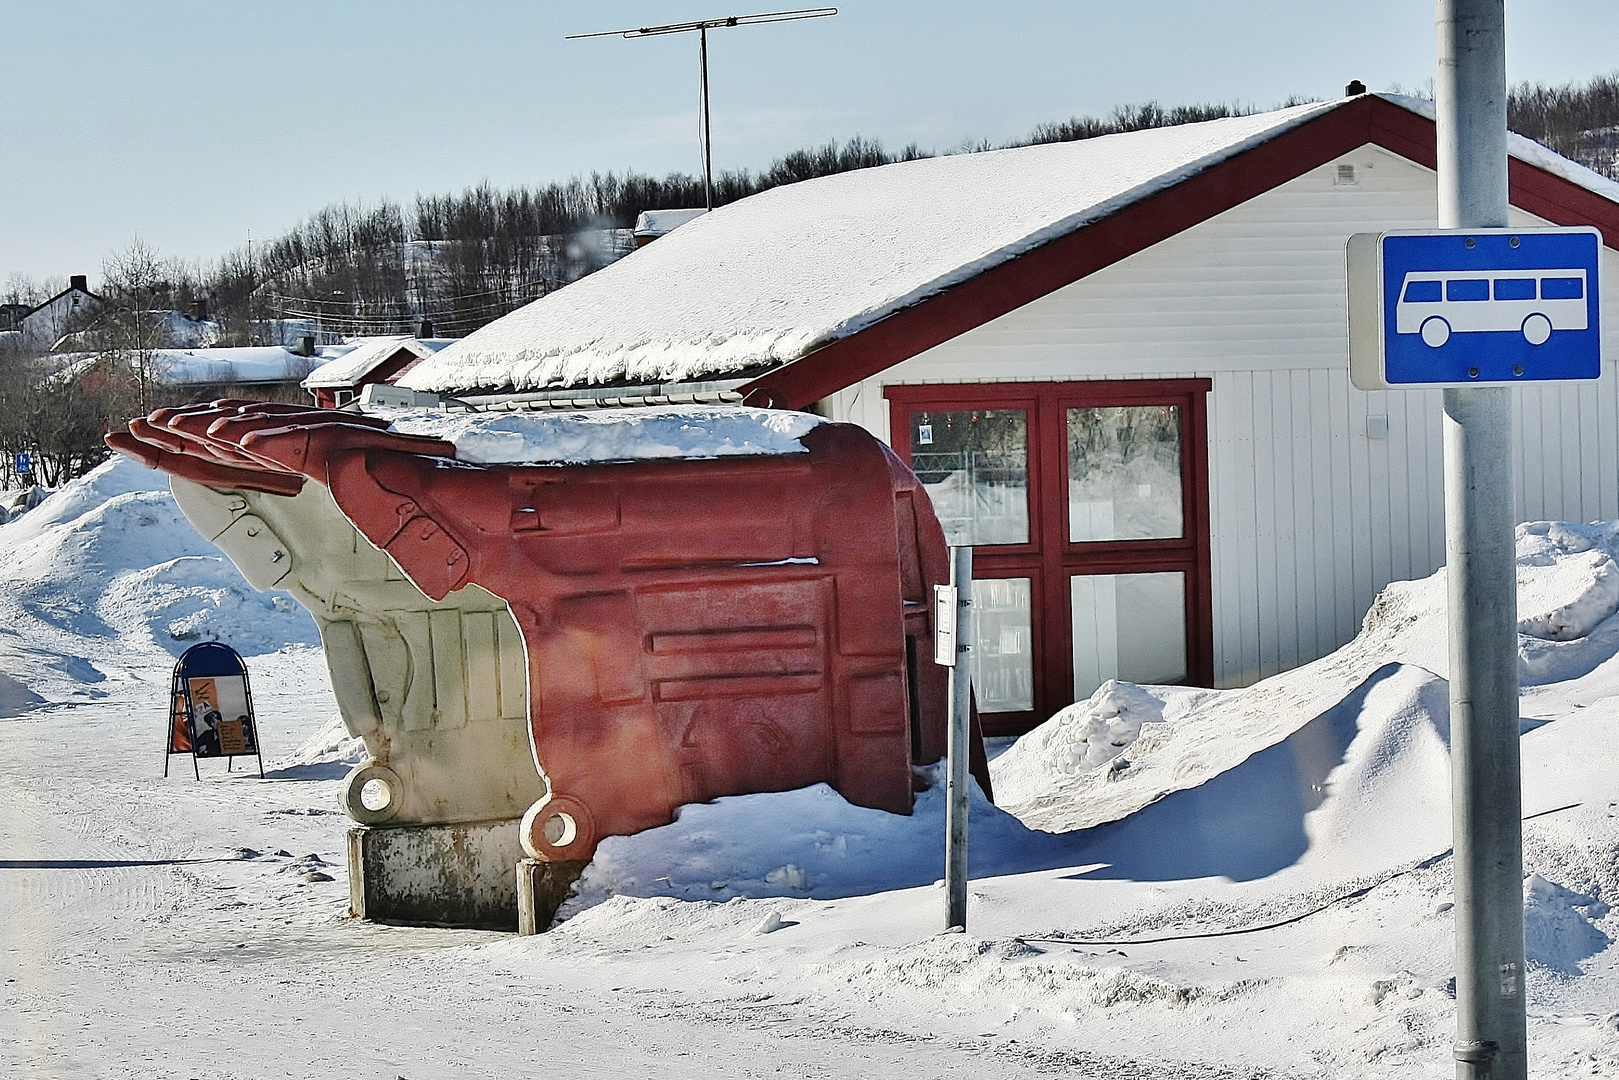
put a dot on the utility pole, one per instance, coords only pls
(1486, 792)
(703, 26)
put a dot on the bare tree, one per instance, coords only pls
(135, 284)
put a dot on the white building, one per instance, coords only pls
(1120, 365)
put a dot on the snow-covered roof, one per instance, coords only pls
(359, 357)
(763, 281)
(250, 364)
(654, 223)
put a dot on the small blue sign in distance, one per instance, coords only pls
(1490, 307)
(24, 464)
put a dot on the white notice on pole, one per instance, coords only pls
(944, 625)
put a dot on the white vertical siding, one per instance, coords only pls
(1310, 516)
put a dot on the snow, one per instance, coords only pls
(1263, 889)
(641, 434)
(360, 355)
(254, 363)
(765, 280)
(105, 580)
(655, 223)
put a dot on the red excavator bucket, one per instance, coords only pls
(693, 628)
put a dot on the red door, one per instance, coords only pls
(1086, 504)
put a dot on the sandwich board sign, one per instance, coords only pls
(1471, 307)
(211, 708)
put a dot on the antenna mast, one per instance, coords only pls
(703, 26)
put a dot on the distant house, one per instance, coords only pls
(11, 317)
(339, 379)
(43, 325)
(1119, 365)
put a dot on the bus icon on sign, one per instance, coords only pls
(1438, 303)
(1474, 307)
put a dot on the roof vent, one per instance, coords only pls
(1346, 176)
(304, 346)
(1355, 88)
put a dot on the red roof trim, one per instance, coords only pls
(1138, 226)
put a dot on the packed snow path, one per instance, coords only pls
(170, 928)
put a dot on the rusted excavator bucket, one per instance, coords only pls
(657, 632)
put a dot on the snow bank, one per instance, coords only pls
(1568, 597)
(1322, 800)
(106, 576)
(643, 434)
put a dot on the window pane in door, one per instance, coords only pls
(975, 467)
(1003, 652)
(1128, 626)
(1124, 473)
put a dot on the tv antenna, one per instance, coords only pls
(703, 26)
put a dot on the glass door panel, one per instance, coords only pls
(975, 467)
(1003, 645)
(1127, 626)
(1124, 473)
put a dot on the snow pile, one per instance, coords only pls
(106, 576)
(805, 843)
(642, 434)
(1321, 800)
(1559, 931)
(1085, 736)
(331, 744)
(1568, 596)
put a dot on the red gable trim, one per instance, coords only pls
(1138, 226)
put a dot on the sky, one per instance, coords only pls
(193, 124)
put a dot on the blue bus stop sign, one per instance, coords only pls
(1470, 307)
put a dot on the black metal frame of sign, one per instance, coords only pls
(210, 681)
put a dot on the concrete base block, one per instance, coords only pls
(541, 889)
(435, 875)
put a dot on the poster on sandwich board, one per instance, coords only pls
(211, 707)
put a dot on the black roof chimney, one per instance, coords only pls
(424, 328)
(80, 282)
(1355, 88)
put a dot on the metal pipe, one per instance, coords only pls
(957, 747)
(1486, 790)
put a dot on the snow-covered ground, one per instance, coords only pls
(1237, 883)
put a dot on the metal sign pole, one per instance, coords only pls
(1486, 796)
(958, 747)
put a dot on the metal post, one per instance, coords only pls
(1486, 795)
(958, 746)
(708, 147)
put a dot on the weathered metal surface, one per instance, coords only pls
(542, 887)
(454, 734)
(692, 629)
(435, 875)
